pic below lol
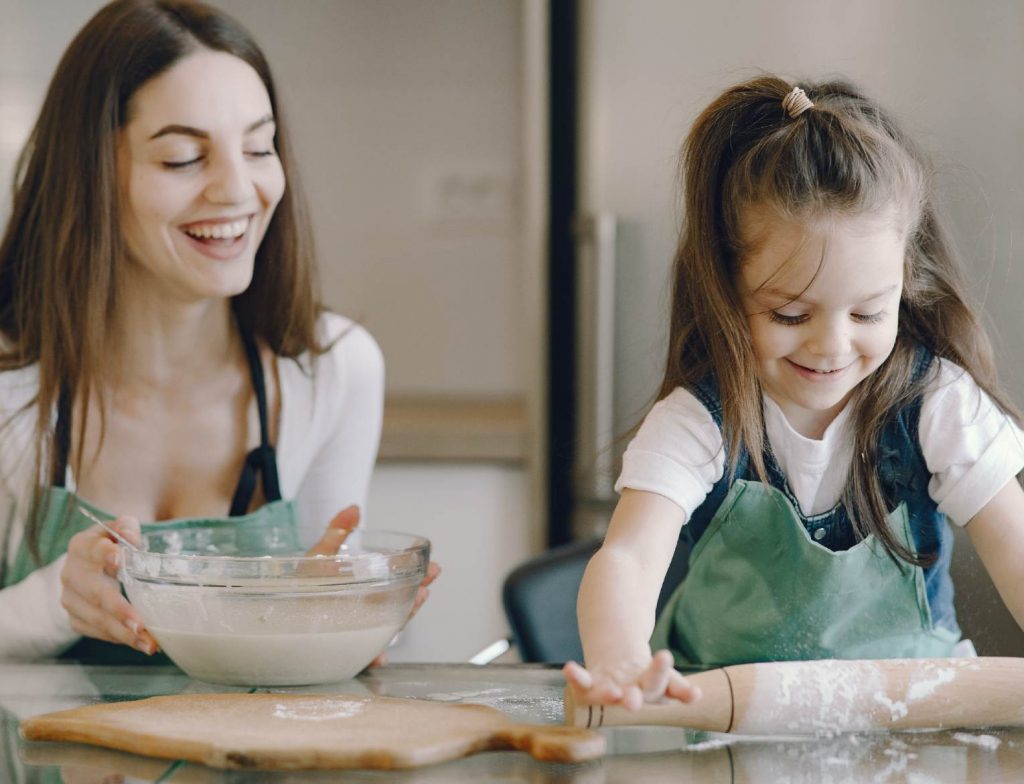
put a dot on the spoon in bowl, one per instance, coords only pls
(106, 527)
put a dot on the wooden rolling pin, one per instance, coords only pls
(832, 696)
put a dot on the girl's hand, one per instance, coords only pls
(337, 531)
(630, 684)
(91, 592)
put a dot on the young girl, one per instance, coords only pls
(163, 354)
(829, 400)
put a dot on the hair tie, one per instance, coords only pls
(796, 103)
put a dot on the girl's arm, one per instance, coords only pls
(997, 533)
(617, 602)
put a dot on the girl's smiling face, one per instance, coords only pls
(822, 300)
(200, 177)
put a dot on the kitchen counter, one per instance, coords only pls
(530, 693)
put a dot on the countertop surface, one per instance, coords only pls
(528, 693)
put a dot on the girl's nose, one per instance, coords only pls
(830, 338)
(230, 182)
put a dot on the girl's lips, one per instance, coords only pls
(816, 376)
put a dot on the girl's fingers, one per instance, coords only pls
(654, 681)
(577, 675)
(681, 689)
(632, 698)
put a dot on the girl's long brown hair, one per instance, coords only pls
(843, 156)
(62, 252)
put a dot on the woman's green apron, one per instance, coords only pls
(759, 588)
(270, 529)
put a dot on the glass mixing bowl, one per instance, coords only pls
(273, 620)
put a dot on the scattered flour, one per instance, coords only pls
(318, 709)
(990, 742)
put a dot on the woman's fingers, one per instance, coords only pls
(338, 529)
(433, 570)
(91, 594)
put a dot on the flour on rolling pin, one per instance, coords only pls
(831, 696)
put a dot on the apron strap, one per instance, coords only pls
(262, 460)
(62, 438)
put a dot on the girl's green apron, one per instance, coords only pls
(759, 588)
(270, 529)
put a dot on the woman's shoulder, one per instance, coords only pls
(350, 344)
(18, 389)
(351, 359)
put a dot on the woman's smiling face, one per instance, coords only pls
(200, 177)
(822, 300)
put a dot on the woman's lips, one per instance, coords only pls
(219, 240)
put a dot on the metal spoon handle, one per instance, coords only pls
(106, 527)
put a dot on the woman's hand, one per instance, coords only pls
(337, 531)
(91, 592)
(630, 684)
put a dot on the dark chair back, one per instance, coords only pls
(540, 600)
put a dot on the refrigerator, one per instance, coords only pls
(628, 79)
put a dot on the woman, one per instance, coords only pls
(164, 357)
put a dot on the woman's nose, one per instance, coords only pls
(230, 182)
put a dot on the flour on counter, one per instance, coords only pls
(990, 742)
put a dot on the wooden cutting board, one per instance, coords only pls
(303, 731)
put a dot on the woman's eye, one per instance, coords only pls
(868, 318)
(182, 164)
(779, 318)
(260, 153)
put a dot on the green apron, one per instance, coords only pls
(271, 529)
(759, 588)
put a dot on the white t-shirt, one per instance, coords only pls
(328, 435)
(970, 447)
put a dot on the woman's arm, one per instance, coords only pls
(617, 604)
(33, 624)
(997, 533)
(344, 437)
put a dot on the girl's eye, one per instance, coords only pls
(182, 164)
(779, 318)
(871, 318)
(261, 153)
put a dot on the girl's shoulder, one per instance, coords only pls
(953, 400)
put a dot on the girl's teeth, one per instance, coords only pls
(219, 231)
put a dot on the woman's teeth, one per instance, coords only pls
(219, 231)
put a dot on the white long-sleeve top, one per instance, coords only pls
(329, 431)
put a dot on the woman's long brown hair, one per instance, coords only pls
(844, 156)
(62, 252)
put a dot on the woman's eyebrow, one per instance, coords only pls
(188, 130)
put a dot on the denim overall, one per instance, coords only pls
(271, 529)
(768, 583)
